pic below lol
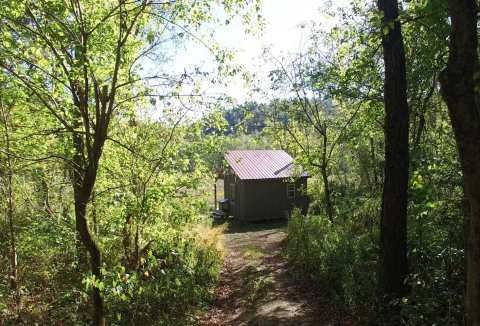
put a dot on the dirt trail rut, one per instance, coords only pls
(256, 288)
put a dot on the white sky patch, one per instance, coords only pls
(283, 34)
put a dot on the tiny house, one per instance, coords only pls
(263, 185)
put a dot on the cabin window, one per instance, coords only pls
(290, 190)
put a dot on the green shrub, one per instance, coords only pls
(174, 279)
(341, 257)
(336, 258)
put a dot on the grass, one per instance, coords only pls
(252, 252)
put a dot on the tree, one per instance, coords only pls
(459, 87)
(7, 172)
(393, 265)
(310, 129)
(94, 53)
(307, 118)
(81, 62)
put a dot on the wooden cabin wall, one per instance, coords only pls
(267, 199)
(263, 199)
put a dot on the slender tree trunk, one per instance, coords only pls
(84, 176)
(82, 188)
(326, 183)
(75, 173)
(420, 130)
(44, 193)
(95, 257)
(458, 82)
(328, 195)
(393, 264)
(374, 164)
(11, 226)
(10, 209)
(127, 251)
(94, 213)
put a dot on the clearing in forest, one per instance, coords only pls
(256, 287)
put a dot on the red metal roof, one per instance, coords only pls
(260, 164)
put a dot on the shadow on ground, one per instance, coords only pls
(255, 287)
(237, 226)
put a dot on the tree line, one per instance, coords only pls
(85, 175)
(384, 116)
(108, 206)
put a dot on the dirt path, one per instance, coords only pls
(256, 289)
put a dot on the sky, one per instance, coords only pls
(282, 34)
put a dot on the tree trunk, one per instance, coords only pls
(326, 184)
(10, 209)
(94, 213)
(11, 226)
(374, 164)
(95, 257)
(458, 82)
(328, 195)
(393, 264)
(84, 176)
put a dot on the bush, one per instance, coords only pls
(176, 277)
(341, 258)
(338, 259)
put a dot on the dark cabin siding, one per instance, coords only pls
(264, 199)
(234, 200)
(267, 199)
